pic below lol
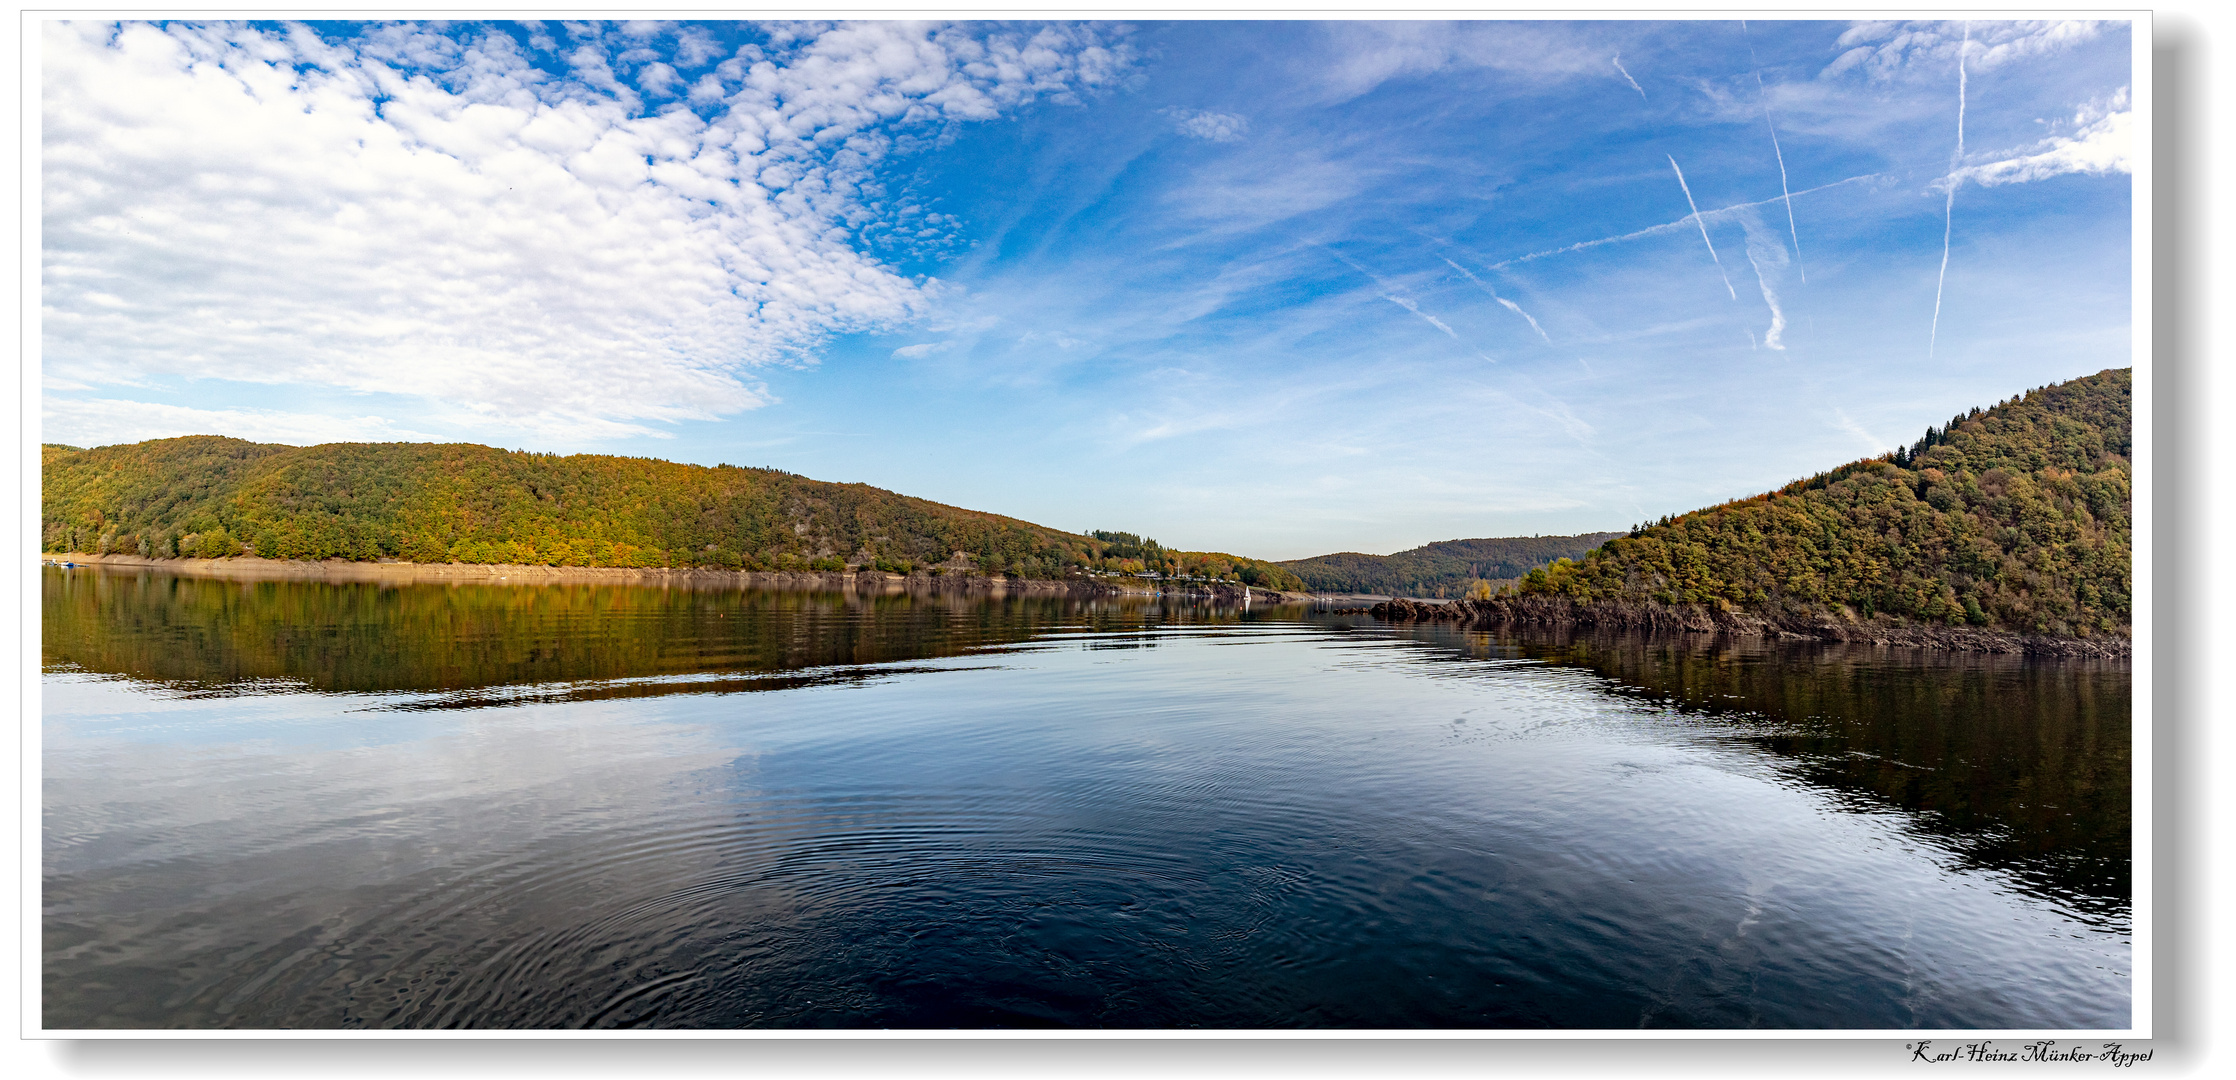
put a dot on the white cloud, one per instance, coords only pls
(1364, 55)
(1057, 338)
(1210, 126)
(1241, 192)
(694, 47)
(1884, 50)
(2102, 142)
(102, 422)
(659, 80)
(416, 213)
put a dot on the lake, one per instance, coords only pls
(306, 805)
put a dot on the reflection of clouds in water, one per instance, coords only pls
(367, 838)
(442, 784)
(998, 831)
(2009, 765)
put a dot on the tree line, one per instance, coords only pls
(1453, 568)
(207, 496)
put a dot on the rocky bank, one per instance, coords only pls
(1803, 625)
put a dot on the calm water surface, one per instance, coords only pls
(305, 805)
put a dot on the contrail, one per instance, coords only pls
(1516, 309)
(1392, 296)
(1633, 82)
(1560, 413)
(1948, 210)
(1510, 305)
(1766, 254)
(1777, 314)
(1764, 95)
(1653, 230)
(1416, 309)
(1774, 148)
(1855, 429)
(1703, 227)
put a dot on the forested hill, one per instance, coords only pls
(1445, 568)
(211, 497)
(2016, 518)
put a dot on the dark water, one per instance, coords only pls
(297, 805)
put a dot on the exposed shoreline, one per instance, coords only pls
(1552, 611)
(1521, 611)
(252, 568)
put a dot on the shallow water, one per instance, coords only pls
(305, 805)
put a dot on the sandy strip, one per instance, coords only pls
(251, 568)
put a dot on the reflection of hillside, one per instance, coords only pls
(200, 634)
(2020, 764)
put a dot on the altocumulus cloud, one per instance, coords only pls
(580, 246)
(1886, 50)
(2102, 143)
(1211, 126)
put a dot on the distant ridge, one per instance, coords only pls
(1445, 568)
(212, 497)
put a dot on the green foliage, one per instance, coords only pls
(2016, 517)
(1125, 545)
(1450, 567)
(215, 544)
(1127, 553)
(104, 500)
(210, 497)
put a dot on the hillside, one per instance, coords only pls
(2015, 518)
(210, 497)
(1444, 568)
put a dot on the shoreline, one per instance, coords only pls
(1510, 611)
(1548, 611)
(253, 568)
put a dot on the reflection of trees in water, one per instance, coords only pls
(2017, 764)
(207, 635)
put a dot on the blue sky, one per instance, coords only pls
(1272, 288)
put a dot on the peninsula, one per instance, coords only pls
(2007, 529)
